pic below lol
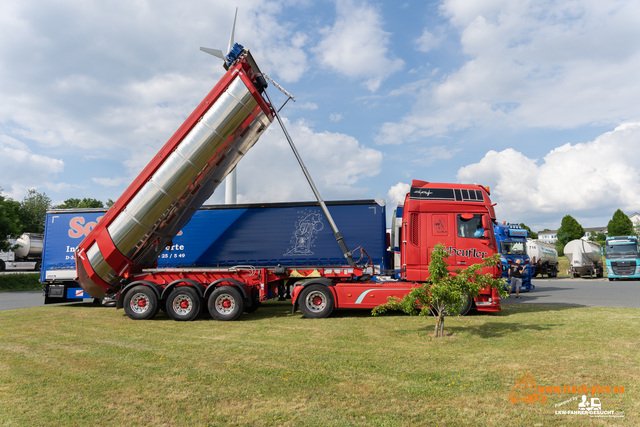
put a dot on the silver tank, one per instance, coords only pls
(29, 245)
(186, 179)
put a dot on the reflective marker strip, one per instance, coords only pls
(362, 295)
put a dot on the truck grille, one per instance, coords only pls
(623, 268)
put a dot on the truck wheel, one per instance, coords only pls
(1, 265)
(467, 306)
(225, 303)
(183, 304)
(316, 302)
(38, 266)
(141, 303)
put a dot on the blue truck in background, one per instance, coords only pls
(622, 255)
(512, 242)
(271, 234)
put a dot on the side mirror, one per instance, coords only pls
(486, 223)
(486, 234)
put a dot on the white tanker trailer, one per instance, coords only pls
(27, 254)
(544, 258)
(585, 258)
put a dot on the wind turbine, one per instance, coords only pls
(230, 189)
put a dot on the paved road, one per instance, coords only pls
(580, 292)
(12, 300)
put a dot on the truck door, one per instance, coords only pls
(472, 240)
(441, 230)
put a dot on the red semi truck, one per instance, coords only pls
(119, 256)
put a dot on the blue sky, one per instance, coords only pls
(536, 99)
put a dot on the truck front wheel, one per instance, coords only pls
(316, 302)
(141, 303)
(225, 303)
(466, 307)
(183, 304)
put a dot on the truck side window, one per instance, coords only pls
(470, 228)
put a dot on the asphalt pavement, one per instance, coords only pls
(558, 291)
(583, 292)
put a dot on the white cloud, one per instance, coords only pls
(335, 117)
(21, 170)
(428, 41)
(357, 46)
(531, 64)
(307, 106)
(397, 193)
(581, 179)
(337, 163)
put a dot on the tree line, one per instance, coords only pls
(570, 229)
(28, 216)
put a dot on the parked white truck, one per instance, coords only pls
(543, 257)
(585, 258)
(27, 254)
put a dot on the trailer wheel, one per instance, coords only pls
(225, 303)
(316, 302)
(38, 266)
(1, 265)
(183, 304)
(141, 303)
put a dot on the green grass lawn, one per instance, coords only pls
(80, 365)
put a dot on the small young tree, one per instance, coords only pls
(443, 292)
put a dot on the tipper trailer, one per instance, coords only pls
(120, 254)
(272, 234)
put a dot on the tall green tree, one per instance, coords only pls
(80, 204)
(33, 211)
(620, 225)
(10, 225)
(569, 230)
(532, 234)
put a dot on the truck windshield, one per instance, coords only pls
(628, 250)
(512, 248)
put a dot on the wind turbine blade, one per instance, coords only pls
(233, 30)
(214, 52)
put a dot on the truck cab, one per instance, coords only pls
(455, 215)
(622, 255)
(512, 243)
